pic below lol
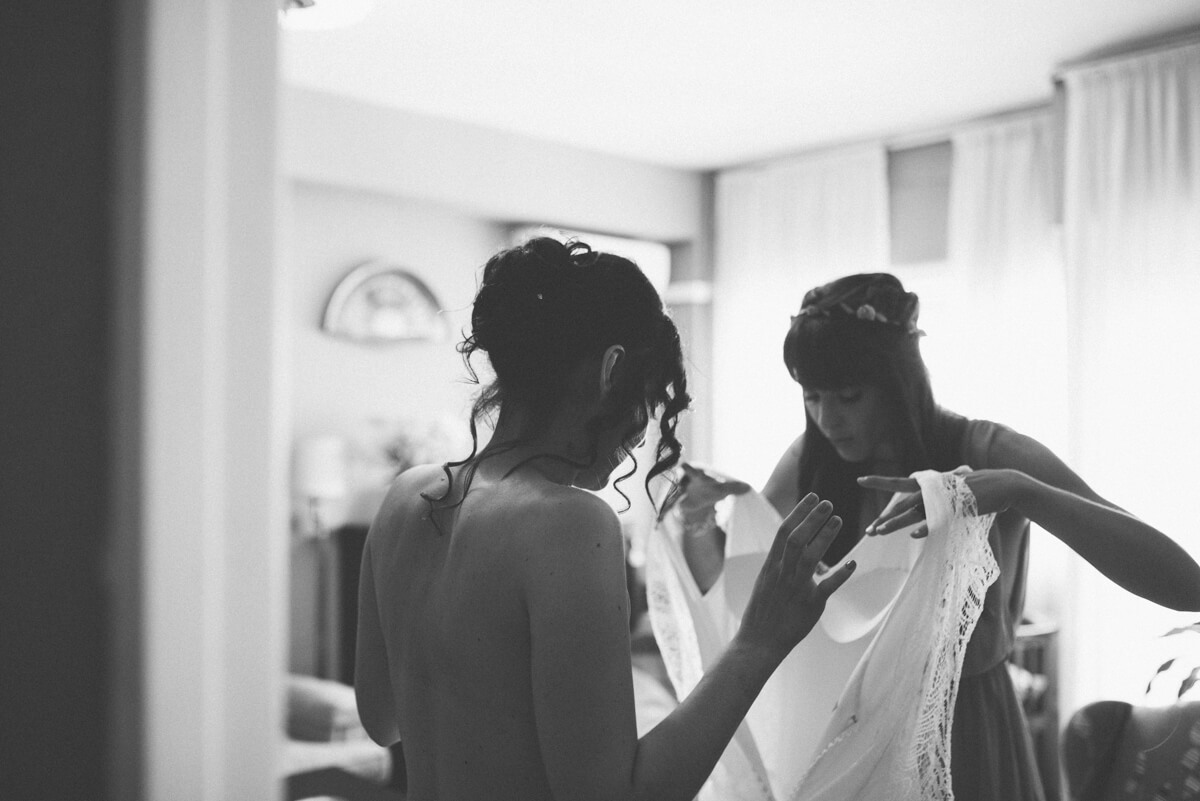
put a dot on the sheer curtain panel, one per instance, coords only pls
(999, 350)
(1004, 355)
(1132, 229)
(782, 228)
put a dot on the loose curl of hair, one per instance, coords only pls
(543, 308)
(830, 347)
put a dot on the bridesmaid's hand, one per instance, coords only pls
(699, 491)
(994, 491)
(703, 542)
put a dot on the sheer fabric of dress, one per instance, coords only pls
(863, 708)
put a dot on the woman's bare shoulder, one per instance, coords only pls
(524, 509)
(559, 527)
(564, 514)
(408, 491)
(569, 555)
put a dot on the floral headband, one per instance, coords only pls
(856, 303)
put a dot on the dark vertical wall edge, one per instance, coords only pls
(57, 90)
(124, 760)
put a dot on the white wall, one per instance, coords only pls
(199, 557)
(339, 386)
(437, 198)
(484, 173)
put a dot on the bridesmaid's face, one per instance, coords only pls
(853, 419)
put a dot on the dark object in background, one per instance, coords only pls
(1112, 750)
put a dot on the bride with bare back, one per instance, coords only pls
(493, 637)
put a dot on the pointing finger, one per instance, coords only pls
(890, 483)
(913, 515)
(896, 508)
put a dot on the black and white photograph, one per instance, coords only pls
(600, 401)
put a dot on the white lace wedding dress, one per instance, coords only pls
(863, 707)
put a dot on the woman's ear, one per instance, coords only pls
(608, 368)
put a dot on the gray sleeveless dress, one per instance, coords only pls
(992, 757)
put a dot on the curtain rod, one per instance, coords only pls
(944, 133)
(1131, 50)
(902, 141)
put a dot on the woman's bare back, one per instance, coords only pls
(454, 627)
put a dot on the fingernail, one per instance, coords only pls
(851, 565)
(835, 522)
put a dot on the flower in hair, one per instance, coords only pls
(867, 312)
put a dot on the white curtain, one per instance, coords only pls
(781, 229)
(994, 309)
(998, 348)
(1132, 237)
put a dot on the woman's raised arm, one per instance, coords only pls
(1029, 477)
(582, 685)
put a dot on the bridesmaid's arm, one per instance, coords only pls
(1026, 476)
(1129, 552)
(702, 540)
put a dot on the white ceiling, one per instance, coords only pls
(700, 84)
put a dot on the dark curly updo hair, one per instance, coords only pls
(862, 330)
(543, 308)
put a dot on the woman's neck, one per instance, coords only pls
(553, 450)
(885, 461)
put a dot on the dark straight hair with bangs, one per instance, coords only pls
(832, 346)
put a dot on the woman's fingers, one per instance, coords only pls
(898, 520)
(819, 544)
(830, 585)
(791, 523)
(907, 507)
(899, 511)
(734, 487)
(705, 489)
(809, 541)
(890, 483)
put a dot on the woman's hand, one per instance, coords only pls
(786, 601)
(700, 492)
(703, 542)
(994, 491)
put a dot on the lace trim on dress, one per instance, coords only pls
(889, 735)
